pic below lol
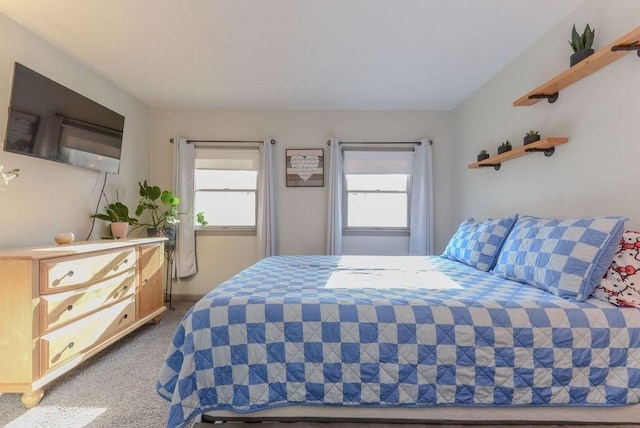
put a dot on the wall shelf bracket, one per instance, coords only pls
(551, 98)
(547, 152)
(496, 166)
(635, 46)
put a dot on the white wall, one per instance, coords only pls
(301, 212)
(49, 197)
(596, 172)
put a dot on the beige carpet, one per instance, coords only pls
(115, 388)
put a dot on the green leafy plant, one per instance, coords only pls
(582, 41)
(200, 219)
(116, 212)
(483, 152)
(162, 206)
(533, 133)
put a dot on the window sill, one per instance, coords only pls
(375, 231)
(226, 231)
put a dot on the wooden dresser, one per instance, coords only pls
(59, 305)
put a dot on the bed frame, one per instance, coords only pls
(629, 415)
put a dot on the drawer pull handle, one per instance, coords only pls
(57, 357)
(124, 262)
(70, 308)
(144, 282)
(125, 316)
(59, 280)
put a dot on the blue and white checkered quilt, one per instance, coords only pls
(394, 331)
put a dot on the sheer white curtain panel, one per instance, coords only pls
(334, 215)
(185, 263)
(421, 234)
(266, 227)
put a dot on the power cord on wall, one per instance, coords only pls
(93, 222)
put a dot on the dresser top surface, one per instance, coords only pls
(81, 247)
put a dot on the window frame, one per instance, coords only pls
(231, 230)
(375, 230)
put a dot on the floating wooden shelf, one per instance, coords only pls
(546, 145)
(605, 56)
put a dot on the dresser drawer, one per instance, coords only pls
(60, 308)
(65, 343)
(65, 273)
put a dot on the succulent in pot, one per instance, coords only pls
(483, 155)
(504, 147)
(581, 44)
(531, 137)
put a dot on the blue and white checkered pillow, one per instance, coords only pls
(478, 244)
(564, 257)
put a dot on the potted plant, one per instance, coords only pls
(162, 206)
(581, 44)
(483, 155)
(504, 147)
(531, 137)
(118, 214)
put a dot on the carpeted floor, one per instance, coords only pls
(115, 388)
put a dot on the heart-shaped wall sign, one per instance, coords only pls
(304, 166)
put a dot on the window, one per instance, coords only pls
(226, 186)
(377, 189)
(377, 200)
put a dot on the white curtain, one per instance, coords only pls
(421, 235)
(184, 157)
(334, 215)
(266, 228)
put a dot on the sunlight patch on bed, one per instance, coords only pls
(389, 272)
(386, 262)
(57, 417)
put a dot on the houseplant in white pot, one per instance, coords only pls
(118, 214)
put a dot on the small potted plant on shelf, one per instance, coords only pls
(162, 206)
(118, 214)
(483, 155)
(581, 44)
(531, 137)
(504, 147)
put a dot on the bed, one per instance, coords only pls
(403, 338)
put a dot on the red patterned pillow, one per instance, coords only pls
(621, 284)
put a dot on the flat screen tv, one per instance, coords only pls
(50, 121)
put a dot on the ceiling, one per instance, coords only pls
(293, 54)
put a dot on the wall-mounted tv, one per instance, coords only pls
(50, 121)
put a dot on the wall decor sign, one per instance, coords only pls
(305, 167)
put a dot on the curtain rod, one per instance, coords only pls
(223, 141)
(381, 142)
